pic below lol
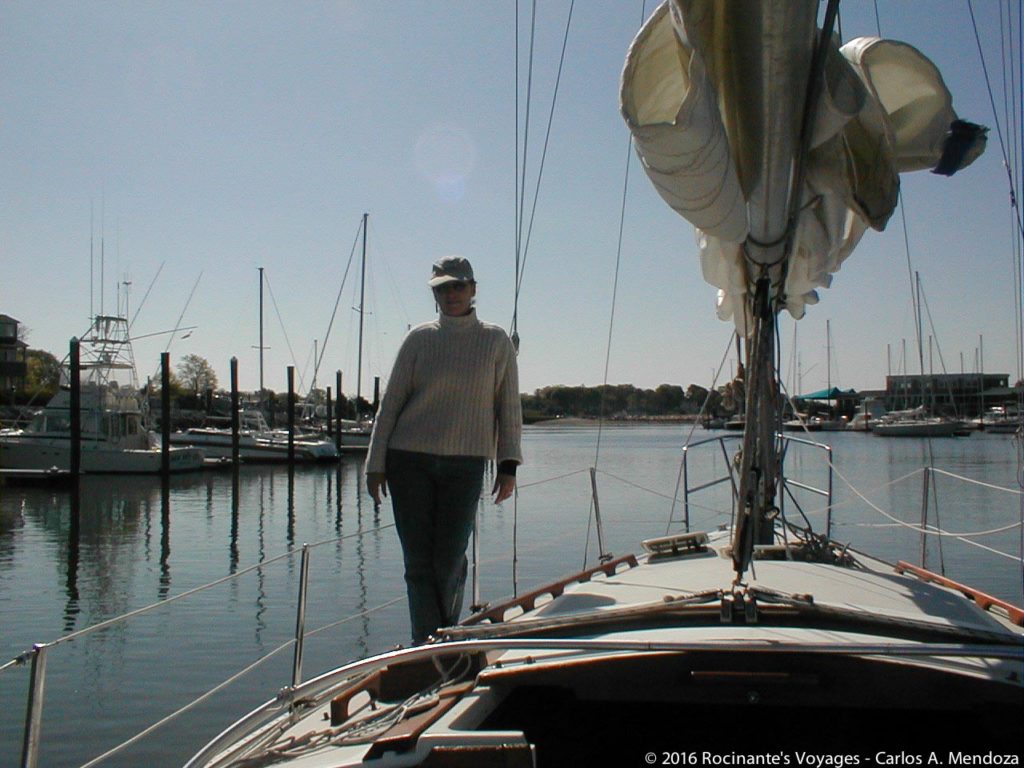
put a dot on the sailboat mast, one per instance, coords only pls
(261, 334)
(92, 277)
(362, 298)
(981, 386)
(828, 364)
(775, 171)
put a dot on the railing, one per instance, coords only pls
(730, 477)
(787, 484)
(38, 654)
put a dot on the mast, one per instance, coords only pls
(362, 297)
(316, 365)
(828, 364)
(775, 169)
(103, 278)
(261, 335)
(981, 369)
(92, 277)
(920, 339)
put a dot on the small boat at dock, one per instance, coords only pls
(257, 442)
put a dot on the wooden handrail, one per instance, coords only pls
(983, 600)
(528, 601)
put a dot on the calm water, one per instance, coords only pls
(136, 545)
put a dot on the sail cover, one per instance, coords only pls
(699, 113)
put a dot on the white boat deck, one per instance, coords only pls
(873, 589)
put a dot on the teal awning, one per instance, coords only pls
(828, 394)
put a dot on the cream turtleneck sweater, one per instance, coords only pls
(453, 391)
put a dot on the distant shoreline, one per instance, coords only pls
(638, 421)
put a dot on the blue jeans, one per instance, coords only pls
(434, 499)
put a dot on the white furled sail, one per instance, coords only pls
(721, 150)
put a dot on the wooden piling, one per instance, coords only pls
(338, 410)
(235, 451)
(76, 410)
(165, 414)
(291, 414)
(330, 421)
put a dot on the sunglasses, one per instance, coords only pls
(452, 286)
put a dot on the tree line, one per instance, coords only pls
(626, 401)
(194, 384)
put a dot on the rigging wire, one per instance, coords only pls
(337, 300)
(280, 322)
(995, 115)
(608, 348)
(521, 244)
(540, 171)
(693, 427)
(393, 284)
(906, 240)
(611, 318)
(1011, 158)
(146, 295)
(184, 309)
(521, 163)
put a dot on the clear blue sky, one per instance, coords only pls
(214, 138)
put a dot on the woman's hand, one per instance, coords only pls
(504, 485)
(377, 485)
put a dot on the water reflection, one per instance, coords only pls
(261, 554)
(71, 607)
(165, 540)
(233, 539)
(361, 604)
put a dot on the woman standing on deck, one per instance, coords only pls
(452, 403)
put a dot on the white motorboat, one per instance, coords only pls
(355, 435)
(871, 410)
(114, 436)
(861, 422)
(765, 642)
(999, 420)
(257, 442)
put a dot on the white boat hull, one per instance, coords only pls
(217, 444)
(354, 440)
(43, 453)
(917, 428)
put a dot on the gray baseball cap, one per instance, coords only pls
(451, 269)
